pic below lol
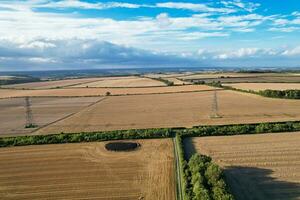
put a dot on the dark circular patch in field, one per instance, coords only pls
(122, 146)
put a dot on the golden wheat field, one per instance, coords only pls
(176, 110)
(265, 86)
(45, 110)
(52, 84)
(128, 82)
(81, 92)
(263, 166)
(88, 171)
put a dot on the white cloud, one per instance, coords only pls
(193, 7)
(247, 6)
(292, 52)
(284, 29)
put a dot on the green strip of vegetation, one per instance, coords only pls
(183, 168)
(84, 137)
(207, 180)
(151, 133)
(239, 129)
(167, 82)
(201, 179)
(282, 94)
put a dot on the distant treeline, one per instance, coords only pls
(167, 82)
(150, 133)
(285, 94)
(17, 80)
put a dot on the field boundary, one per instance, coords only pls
(277, 94)
(153, 93)
(196, 131)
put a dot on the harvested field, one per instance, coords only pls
(127, 82)
(44, 110)
(244, 78)
(228, 75)
(88, 171)
(50, 84)
(59, 83)
(265, 86)
(67, 92)
(168, 75)
(177, 81)
(260, 167)
(176, 110)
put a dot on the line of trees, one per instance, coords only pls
(207, 180)
(284, 94)
(287, 94)
(241, 129)
(167, 82)
(84, 137)
(201, 179)
(197, 131)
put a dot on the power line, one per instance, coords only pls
(214, 107)
(29, 116)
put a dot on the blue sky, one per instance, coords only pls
(73, 34)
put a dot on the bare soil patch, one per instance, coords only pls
(88, 171)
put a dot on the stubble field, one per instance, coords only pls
(88, 171)
(126, 82)
(176, 110)
(265, 86)
(51, 84)
(81, 92)
(258, 167)
(45, 110)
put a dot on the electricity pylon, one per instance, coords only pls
(214, 107)
(29, 116)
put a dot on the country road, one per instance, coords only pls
(179, 194)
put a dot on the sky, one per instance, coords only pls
(89, 34)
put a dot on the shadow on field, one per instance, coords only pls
(189, 147)
(250, 183)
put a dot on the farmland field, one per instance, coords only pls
(88, 171)
(44, 110)
(260, 167)
(66, 92)
(244, 78)
(126, 82)
(265, 86)
(176, 110)
(51, 84)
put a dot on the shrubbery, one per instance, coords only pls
(207, 179)
(84, 137)
(287, 94)
(201, 179)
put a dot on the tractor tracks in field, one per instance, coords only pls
(70, 115)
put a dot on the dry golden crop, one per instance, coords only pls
(88, 171)
(264, 166)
